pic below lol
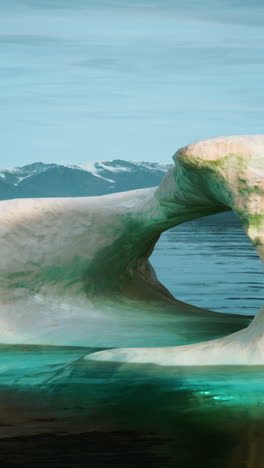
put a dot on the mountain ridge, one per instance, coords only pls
(94, 178)
(89, 179)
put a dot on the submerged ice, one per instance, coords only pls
(76, 270)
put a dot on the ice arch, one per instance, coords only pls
(60, 256)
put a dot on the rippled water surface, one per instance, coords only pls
(133, 79)
(212, 265)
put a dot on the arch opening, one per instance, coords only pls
(210, 263)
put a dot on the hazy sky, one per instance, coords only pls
(94, 80)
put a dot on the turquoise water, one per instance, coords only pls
(81, 413)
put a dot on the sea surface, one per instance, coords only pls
(58, 409)
(131, 79)
(212, 265)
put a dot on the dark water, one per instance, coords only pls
(57, 409)
(213, 266)
(96, 414)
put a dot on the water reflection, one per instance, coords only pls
(127, 414)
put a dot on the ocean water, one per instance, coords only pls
(133, 79)
(64, 411)
(212, 265)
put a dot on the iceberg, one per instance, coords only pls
(76, 270)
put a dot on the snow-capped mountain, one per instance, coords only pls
(92, 178)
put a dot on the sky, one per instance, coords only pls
(98, 80)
